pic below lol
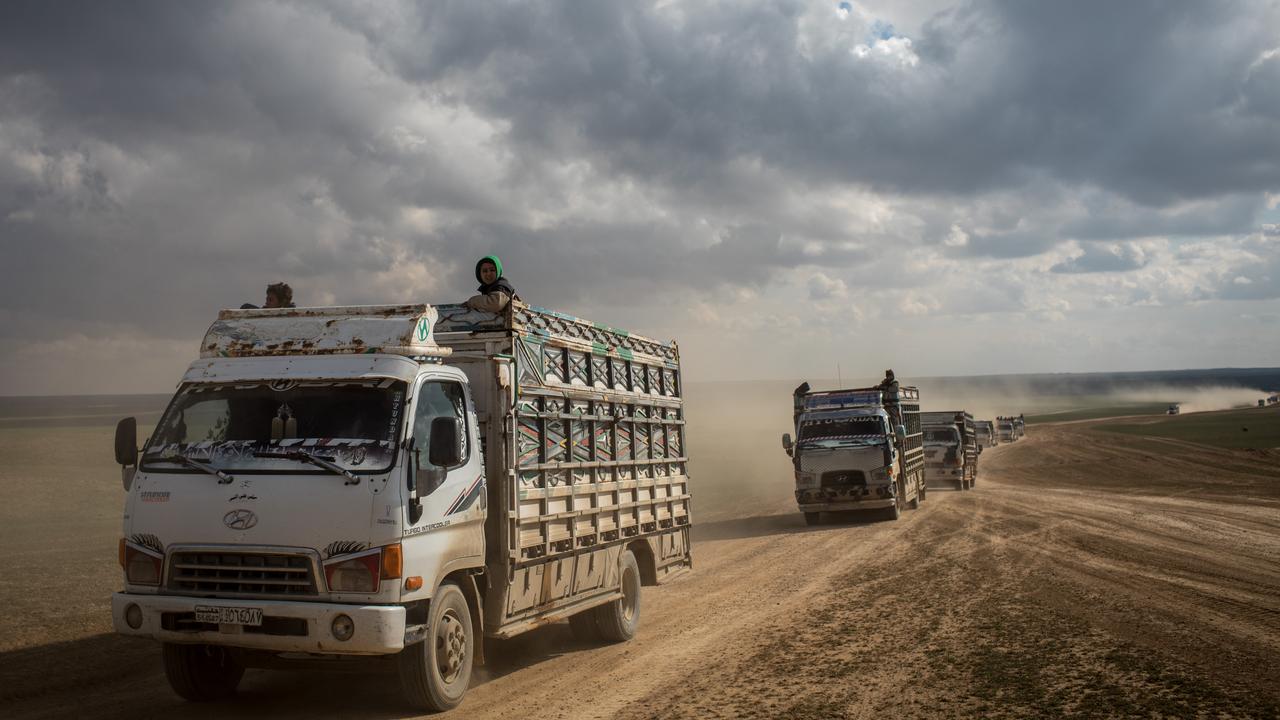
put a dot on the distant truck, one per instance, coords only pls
(1006, 429)
(950, 449)
(857, 449)
(987, 435)
(1174, 409)
(1020, 427)
(400, 481)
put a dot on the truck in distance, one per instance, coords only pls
(987, 435)
(950, 449)
(400, 481)
(857, 449)
(1006, 429)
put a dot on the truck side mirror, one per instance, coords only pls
(446, 442)
(900, 431)
(127, 441)
(786, 442)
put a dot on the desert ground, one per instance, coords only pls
(1089, 574)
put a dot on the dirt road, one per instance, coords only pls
(1089, 574)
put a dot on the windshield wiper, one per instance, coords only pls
(322, 462)
(223, 478)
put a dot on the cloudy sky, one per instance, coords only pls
(942, 187)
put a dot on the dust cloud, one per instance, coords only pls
(1199, 399)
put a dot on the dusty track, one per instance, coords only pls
(1088, 574)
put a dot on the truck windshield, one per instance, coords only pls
(863, 430)
(941, 436)
(353, 424)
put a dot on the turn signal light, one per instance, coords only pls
(392, 561)
(142, 567)
(413, 583)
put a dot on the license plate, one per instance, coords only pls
(229, 615)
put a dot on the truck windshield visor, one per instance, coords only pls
(351, 423)
(837, 430)
(941, 436)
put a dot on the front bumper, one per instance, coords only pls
(379, 629)
(852, 498)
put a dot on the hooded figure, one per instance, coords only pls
(495, 291)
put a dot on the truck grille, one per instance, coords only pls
(212, 572)
(844, 478)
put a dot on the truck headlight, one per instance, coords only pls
(358, 574)
(880, 474)
(141, 567)
(806, 479)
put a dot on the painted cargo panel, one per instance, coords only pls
(593, 456)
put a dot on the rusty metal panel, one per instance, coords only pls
(387, 329)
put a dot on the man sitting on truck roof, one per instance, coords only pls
(495, 291)
(279, 295)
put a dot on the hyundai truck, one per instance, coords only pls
(857, 449)
(400, 481)
(950, 449)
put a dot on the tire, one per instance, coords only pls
(435, 673)
(914, 503)
(960, 484)
(201, 673)
(618, 620)
(812, 518)
(584, 626)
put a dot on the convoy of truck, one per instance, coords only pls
(950, 449)
(400, 481)
(857, 449)
(407, 480)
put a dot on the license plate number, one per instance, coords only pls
(229, 615)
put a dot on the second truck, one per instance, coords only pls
(857, 449)
(950, 449)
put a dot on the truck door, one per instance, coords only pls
(449, 535)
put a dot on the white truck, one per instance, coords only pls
(950, 449)
(400, 481)
(857, 449)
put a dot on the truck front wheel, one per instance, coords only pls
(435, 673)
(617, 621)
(201, 673)
(812, 518)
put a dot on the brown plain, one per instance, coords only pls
(1089, 574)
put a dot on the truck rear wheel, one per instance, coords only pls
(812, 518)
(201, 673)
(618, 620)
(435, 673)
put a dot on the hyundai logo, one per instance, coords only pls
(240, 519)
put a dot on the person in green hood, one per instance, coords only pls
(496, 292)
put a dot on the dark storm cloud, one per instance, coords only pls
(1152, 100)
(158, 159)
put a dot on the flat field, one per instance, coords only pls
(1091, 573)
(1252, 428)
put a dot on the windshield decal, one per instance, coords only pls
(240, 454)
